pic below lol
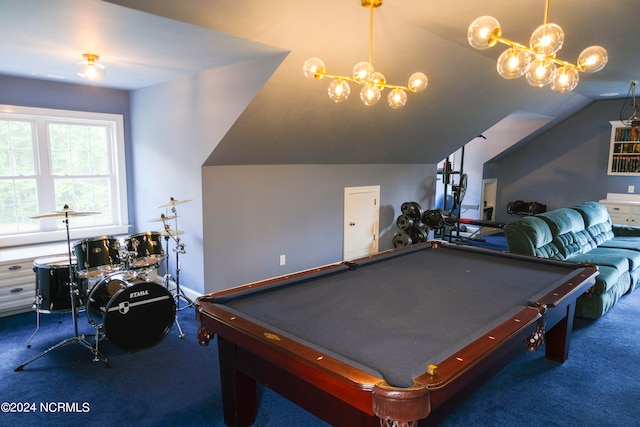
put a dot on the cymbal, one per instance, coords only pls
(171, 232)
(173, 202)
(163, 217)
(64, 213)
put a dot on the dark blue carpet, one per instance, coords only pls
(177, 381)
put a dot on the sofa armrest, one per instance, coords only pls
(625, 230)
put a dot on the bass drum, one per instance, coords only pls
(133, 313)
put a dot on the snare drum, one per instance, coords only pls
(134, 314)
(53, 292)
(97, 256)
(146, 249)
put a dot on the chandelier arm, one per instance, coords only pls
(351, 79)
(526, 49)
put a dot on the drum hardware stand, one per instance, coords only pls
(179, 249)
(37, 304)
(73, 293)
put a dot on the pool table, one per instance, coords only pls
(392, 338)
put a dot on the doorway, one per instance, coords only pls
(361, 221)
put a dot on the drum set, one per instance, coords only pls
(115, 283)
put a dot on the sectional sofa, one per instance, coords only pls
(585, 234)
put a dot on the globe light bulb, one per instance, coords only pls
(483, 31)
(593, 59)
(541, 72)
(378, 79)
(370, 94)
(362, 72)
(417, 82)
(547, 39)
(397, 98)
(565, 80)
(513, 63)
(338, 90)
(313, 67)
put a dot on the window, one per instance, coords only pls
(50, 159)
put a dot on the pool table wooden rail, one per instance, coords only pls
(251, 353)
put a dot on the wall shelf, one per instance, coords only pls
(624, 152)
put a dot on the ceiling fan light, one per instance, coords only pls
(418, 82)
(89, 68)
(483, 32)
(513, 63)
(370, 94)
(313, 68)
(397, 98)
(565, 80)
(593, 59)
(541, 72)
(339, 90)
(547, 39)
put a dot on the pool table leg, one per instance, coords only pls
(239, 391)
(559, 336)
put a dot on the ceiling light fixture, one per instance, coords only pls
(90, 68)
(373, 82)
(537, 62)
(633, 121)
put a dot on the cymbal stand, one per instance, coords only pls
(179, 249)
(167, 277)
(76, 338)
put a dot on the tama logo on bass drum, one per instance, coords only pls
(138, 294)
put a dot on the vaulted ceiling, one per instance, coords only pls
(292, 120)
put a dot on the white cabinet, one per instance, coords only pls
(623, 209)
(17, 286)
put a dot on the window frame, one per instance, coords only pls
(46, 116)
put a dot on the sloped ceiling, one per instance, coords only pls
(292, 120)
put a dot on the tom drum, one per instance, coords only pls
(97, 256)
(53, 291)
(135, 314)
(146, 249)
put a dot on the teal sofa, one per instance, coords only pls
(583, 233)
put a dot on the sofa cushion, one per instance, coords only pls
(531, 236)
(629, 243)
(593, 306)
(607, 278)
(596, 221)
(602, 259)
(563, 220)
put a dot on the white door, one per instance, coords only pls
(361, 221)
(489, 194)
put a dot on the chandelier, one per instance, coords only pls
(372, 82)
(538, 62)
(90, 68)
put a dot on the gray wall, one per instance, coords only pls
(175, 127)
(254, 214)
(563, 167)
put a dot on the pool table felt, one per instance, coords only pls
(396, 316)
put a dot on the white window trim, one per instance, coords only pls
(121, 217)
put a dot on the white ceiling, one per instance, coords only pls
(465, 95)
